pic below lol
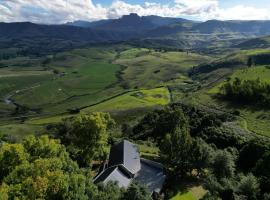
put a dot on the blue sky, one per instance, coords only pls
(61, 11)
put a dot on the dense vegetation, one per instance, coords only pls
(43, 168)
(253, 92)
(230, 165)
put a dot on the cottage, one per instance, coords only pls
(125, 165)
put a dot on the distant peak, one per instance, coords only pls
(131, 15)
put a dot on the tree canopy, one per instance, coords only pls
(86, 136)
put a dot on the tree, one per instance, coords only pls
(250, 62)
(251, 153)
(137, 192)
(86, 136)
(249, 187)
(11, 155)
(223, 165)
(158, 123)
(201, 155)
(223, 188)
(110, 191)
(262, 170)
(4, 192)
(40, 168)
(175, 148)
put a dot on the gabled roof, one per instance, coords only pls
(126, 154)
(114, 174)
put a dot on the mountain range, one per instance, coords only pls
(178, 32)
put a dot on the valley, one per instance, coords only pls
(191, 96)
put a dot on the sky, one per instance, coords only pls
(62, 11)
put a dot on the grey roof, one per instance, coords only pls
(126, 154)
(114, 174)
(151, 175)
(125, 164)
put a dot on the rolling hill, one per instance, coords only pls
(261, 42)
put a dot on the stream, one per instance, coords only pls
(8, 99)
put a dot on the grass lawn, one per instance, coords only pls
(193, 193)
(148, 149)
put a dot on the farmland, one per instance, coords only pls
(111, 78)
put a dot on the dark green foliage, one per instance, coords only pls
(158, 123)
(249, 187)
(252, 152)
(238, 187)
(261, 59)
(250, 62)
(201, 155)
(209, 67)
(223, 137)
(176, 147)
(223, 164)
(247, 92)
(262, 170)
(137, 192)
(110, 191)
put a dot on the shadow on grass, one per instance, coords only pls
(174, 185)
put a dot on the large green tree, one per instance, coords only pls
(223, 164)
(176, 146)
(86, 136)
(40, 168)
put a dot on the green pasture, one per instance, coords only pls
(252, 73)
(122, 102)
(149, 68)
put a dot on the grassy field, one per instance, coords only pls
(126, 101)
(19, 131)
(91, 79)
(253, 119)
(253, 73)
(147, 68)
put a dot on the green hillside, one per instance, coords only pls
(148, 68)
(105, 78)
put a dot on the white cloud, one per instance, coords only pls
(60, 11)
(56, 11)
(243, 12)
(119, 8)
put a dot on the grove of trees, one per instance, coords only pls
(194, 143)
(253, 92)
(47, 168)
